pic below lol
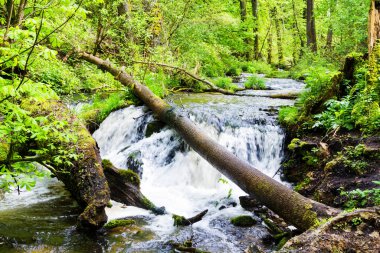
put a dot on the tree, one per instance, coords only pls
(373, 25)
(310, 26)
(255, 28)
(279, 37)
(243, 10)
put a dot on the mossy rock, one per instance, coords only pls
(128, 175)
(180, 220)
(119, 223)
(154, 127)
(243, 221)
(135, 163)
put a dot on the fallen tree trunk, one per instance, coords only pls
(291, 206)
(84, 177)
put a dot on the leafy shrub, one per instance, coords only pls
(59, 76)
(156, 82)
(288, 116)
(225, 83)
(255, 82)
(362, 198)
(102, 105)
(261, 67)
(337, 114)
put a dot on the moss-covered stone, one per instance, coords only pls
(128, 175)
(154, 127)
(179, 220)
(243, 221)
(119, 223)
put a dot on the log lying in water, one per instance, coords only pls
(125, 188)
(291, 206)
(182, 221)
(84, 177)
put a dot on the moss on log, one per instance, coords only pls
(125, 188)
(84, 178)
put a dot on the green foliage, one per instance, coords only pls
(337, 114)
(157, 83)
(255, 82)
(362, 198)
(20, 132)
(353, 159)
(225, 83)
(103, 104)
(288, 116)
(59, 76)
(119, 223)
(243, 221)
(302, 184)
(261, 67)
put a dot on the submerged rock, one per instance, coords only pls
(119, 223)
(243, 221)
(135, 163)
(154, 127)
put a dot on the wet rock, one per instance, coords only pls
(348, 232)
(243, 221)
(135, 163)
(249, 203)
(119, 223)
(154, 127)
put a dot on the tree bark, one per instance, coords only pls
(291, 206)
(373, 25)
(84, 178)
(10, 10)
(330, 32)
(255, 29)
(20, 12)
(243, 10)
(310, 26)
(270, 47)
(182, 221)
(279, 38)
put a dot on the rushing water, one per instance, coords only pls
(173, 176)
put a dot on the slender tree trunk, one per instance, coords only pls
(20, 12)
(310, 26)
(302, 43)
(293, 207)
(373, 25)
(255, 28)
(243, 10)
(329, 38)
(270, 47)
(99, 36)
(243, 17)
(279, 37)
(10, 8)
(330, 32)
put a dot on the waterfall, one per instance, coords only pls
(178, 178)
